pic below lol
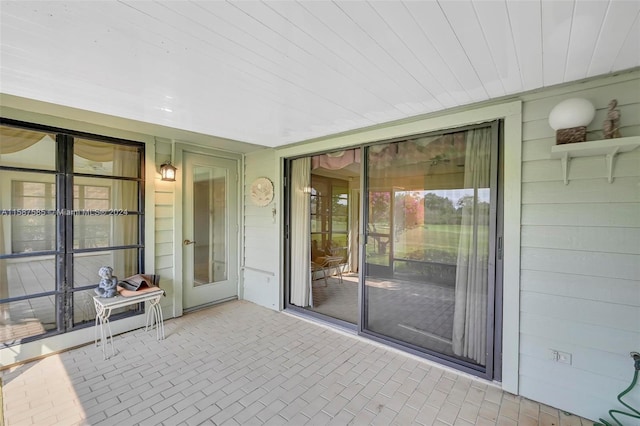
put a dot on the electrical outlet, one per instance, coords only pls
(564, 357)
(558, 356)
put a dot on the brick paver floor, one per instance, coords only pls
(241, 364)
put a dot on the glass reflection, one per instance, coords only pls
(27, 148)
(427, 245)
(27, 318)
(104, 158)
(209, 222)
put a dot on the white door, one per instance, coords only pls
(210, 230)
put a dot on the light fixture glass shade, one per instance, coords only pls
(168, 172)
(570, 113)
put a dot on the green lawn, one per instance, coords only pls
(434, 243)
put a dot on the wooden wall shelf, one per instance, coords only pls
(607, 147)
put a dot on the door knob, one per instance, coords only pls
(187, 242)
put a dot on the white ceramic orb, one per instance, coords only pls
(574, 112)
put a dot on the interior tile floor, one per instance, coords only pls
(240, 364)
(420, 313)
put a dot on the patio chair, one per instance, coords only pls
(327, 263)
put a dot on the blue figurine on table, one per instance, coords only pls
(108, 283)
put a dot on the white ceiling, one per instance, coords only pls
(278, 72)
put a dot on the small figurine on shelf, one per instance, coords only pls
(108, 283)
(611, 126)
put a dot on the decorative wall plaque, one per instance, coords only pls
(261, 191)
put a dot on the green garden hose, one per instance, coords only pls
(636, 413)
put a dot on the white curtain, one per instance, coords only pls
(335, 160)
(301, 232)
(14, 140)
(96, 151)
(125, 197)
(470, 313)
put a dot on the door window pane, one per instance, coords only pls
(209, 222)
(379, 228)
(103, 230)
(27, 318)
(427, 251)
(124, 263)
(90, 194)
(104, 158)
(26, 276)
(30, 211)
(84, 310)
(329, 216)
(324, 232)
(27, 148)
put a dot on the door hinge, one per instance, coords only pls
(499, 248)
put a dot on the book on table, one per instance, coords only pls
(137, 284)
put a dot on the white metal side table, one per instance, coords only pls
(105, 305)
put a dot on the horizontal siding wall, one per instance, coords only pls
(260, 266)
(580, 257)
(164, 230)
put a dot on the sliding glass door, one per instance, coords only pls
(324, 212)
(429, 264)
(398, 239)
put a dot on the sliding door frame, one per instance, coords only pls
(286, 273)
(495, 233)
(510, 113)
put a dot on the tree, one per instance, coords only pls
(468, 202)
(439, 210)
(379, 207)
(409, 208)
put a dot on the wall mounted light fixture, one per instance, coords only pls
(570, 119)
(168, 172)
